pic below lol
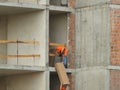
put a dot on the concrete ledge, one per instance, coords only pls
(60, 8)
(113, 67)
(6, 70)
(32, 6)
(20, 67)
(114, 6)
(52, 69)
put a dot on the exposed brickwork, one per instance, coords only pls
(71, 3)
(115, 36)
(115, 80)
(71, 40)
(115, 1)
(72, 43)
(72, 82)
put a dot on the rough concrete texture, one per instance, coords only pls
(115, 35)
(26, 27)
(114, 79)
(92, 36)
(87, 3)
(3, 36)
(58, 25)
(92, 79)
(33, 81)
(26, 1)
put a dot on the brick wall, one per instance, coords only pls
(115, 80)
(115, 1)
(72, 43)
(71, 39)
(71, 3)
(115, 36)
(72, 82)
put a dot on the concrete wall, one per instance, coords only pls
(92, 79)
(3, 36)
(26, 1)
(33, 81)
(85, 3)
(92, 36)
(55, 2)
(59, 2)
(58, 28)
(27, 26)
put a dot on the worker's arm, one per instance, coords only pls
(56, 53)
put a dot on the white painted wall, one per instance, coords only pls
(3, 36)
(27, 26)
(33, 81)
(58, 28)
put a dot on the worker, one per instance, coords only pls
(62, 52)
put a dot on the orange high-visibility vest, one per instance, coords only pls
(62, 49)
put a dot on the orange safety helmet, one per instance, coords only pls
(62, 50)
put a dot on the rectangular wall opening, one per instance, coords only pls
(57, 33)
(59, 2)
(55, 82)
(30, 81)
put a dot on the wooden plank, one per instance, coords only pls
(18, 41)
(62, 74)
(20, 56)
(52, 55)
(56, 44)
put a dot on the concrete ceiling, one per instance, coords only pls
(5, 10)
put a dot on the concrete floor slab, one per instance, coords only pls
(52, 69)
(13, 8)
(6, 70)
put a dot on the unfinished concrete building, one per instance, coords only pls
(29, 30)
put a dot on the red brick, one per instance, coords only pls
(72, 47)
(71, 39)
(115, 36)
(72, 82)
(71, 3)
(114, 80)
(115, 1)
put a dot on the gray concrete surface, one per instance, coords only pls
(94, 78)
(33, 81)
(87, 3)
(92, 36)
(58, 28)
